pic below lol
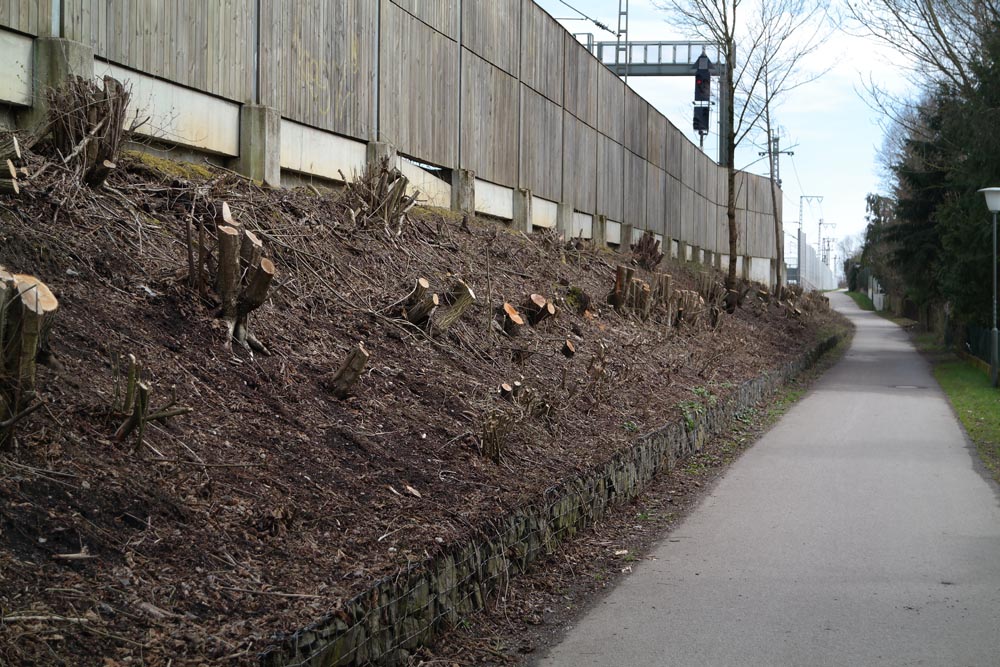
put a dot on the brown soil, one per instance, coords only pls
(273, 501)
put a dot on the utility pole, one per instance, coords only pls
(821, 242)
(776, 167)
(798, 246)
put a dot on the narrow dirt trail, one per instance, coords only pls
(859, 531)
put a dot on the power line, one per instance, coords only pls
(592, 20)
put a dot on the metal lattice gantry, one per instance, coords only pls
(657, 58)
(666, 58)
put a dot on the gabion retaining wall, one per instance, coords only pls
(401, 612)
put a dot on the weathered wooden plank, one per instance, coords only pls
(418, 88)
(442, 15)
(582, 70)
(141, 35)
(636, 123)
(611, 105)
(541, 145)
(491, 31)
(656, 199)
(610, 178)
(656, 138)
(579, 164)
(635, 190)
(318, 63)
(489, 121)
(673, 205)
(542, 52)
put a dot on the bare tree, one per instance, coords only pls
(763, 41)
(938, 37)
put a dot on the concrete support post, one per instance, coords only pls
(564, 220)
(260, 144)
(709, 258)
(599, 235)
(718, 260)
(682, 251)
(54, 60)
(523, 201)
(626, 244)
(381, 150)
(746, 267)
(463, 191)
(696, 254)
(772, 283)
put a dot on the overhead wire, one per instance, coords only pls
(600, 25)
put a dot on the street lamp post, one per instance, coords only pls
(993, 203)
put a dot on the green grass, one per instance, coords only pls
(978, 407)
(860, 298)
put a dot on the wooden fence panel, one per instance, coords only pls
(656, 199)
(579, 164)
(541, 145)
(582, 71)
(489, 121)
(635, 190)
(208, 46)
(491, 30)
(673, 204)
(542, 52)
(610, 172)
(442, 15)
(318, 63)
(33, 17)
(611, 105)
(656, 140)
(636, 123)
(418, 91)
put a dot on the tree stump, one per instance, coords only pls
(349, 371)
(512, 320)
(27, 308)
(458, 299)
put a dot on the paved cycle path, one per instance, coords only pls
(859, 531)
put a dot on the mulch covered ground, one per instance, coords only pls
(273, 500)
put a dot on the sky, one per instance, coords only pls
(829, 124)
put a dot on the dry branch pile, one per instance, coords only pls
(86, 125)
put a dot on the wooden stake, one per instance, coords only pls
(349, 371)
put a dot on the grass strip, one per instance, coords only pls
(860, 298)
(977, 405)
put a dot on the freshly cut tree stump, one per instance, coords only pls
(512, 320)
(568, 349)
(419, 314)
(350, 371)
(458, 299)
(251, 250)
(27, 308)
(506, 391)
(251, 298)
(538, 309)
(419, 290)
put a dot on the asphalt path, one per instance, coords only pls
(860, 530)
